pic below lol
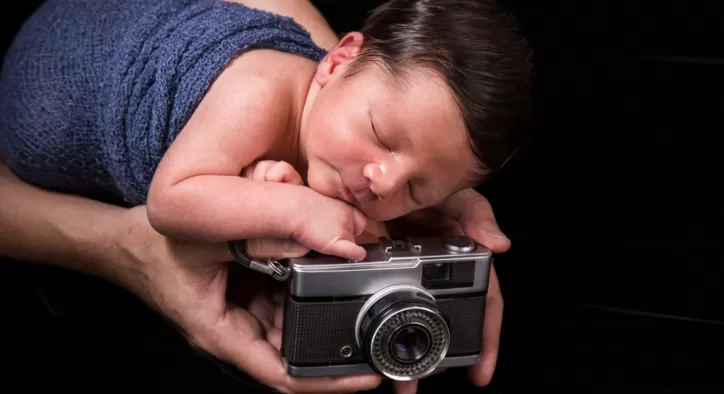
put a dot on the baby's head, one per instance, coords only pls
(425, 101)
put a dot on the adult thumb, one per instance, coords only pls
(475, 215)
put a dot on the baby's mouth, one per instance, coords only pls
(349, 196)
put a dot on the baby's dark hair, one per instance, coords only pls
(477, 48)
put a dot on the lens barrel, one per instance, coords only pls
(403, 333)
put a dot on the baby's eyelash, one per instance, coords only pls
(374, 130)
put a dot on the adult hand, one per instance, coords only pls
(187, 283)
(465, 213)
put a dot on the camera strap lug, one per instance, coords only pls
(273, 268)
(280, 272)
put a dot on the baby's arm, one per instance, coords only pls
(279, 171)
(197, 191)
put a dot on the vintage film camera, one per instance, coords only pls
(411, 306)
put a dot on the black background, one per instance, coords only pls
(614, 280)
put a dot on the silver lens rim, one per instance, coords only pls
(433, 365)
(378, 296)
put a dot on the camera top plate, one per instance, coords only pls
(388, 262)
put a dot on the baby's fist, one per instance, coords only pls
(330, 226)
(272, 171)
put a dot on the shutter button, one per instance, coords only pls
(460, 244)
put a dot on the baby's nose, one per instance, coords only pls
(383, 182)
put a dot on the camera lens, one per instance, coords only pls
(409, 344)
(403, 333)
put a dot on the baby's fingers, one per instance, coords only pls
(257, 171)
(345, 249)
(284, 172)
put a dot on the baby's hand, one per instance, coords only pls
(327, 225)
(330, 226)
(272, 171)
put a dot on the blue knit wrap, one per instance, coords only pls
(92, 93)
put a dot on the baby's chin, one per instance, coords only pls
(381, 215)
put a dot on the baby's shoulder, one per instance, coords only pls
(272, 70)
(268, 81)
(254, 96)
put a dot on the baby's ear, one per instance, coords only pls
(340, 57)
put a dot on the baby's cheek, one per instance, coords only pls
(320, 184)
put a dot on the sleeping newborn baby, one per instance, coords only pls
(230, 123)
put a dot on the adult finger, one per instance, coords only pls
(405, 387)
(274, 337)
(263, 308)
(482, 372)
(411, 387)
(267, 367)
(475, 215)
(274, 249)
(257, 357)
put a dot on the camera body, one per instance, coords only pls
(411, 306)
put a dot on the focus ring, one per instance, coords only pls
(421, 316)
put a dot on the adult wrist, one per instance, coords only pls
(133, 248)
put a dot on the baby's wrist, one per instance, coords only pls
(306, 204)
(298, 212)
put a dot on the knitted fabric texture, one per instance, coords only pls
(92, 93)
